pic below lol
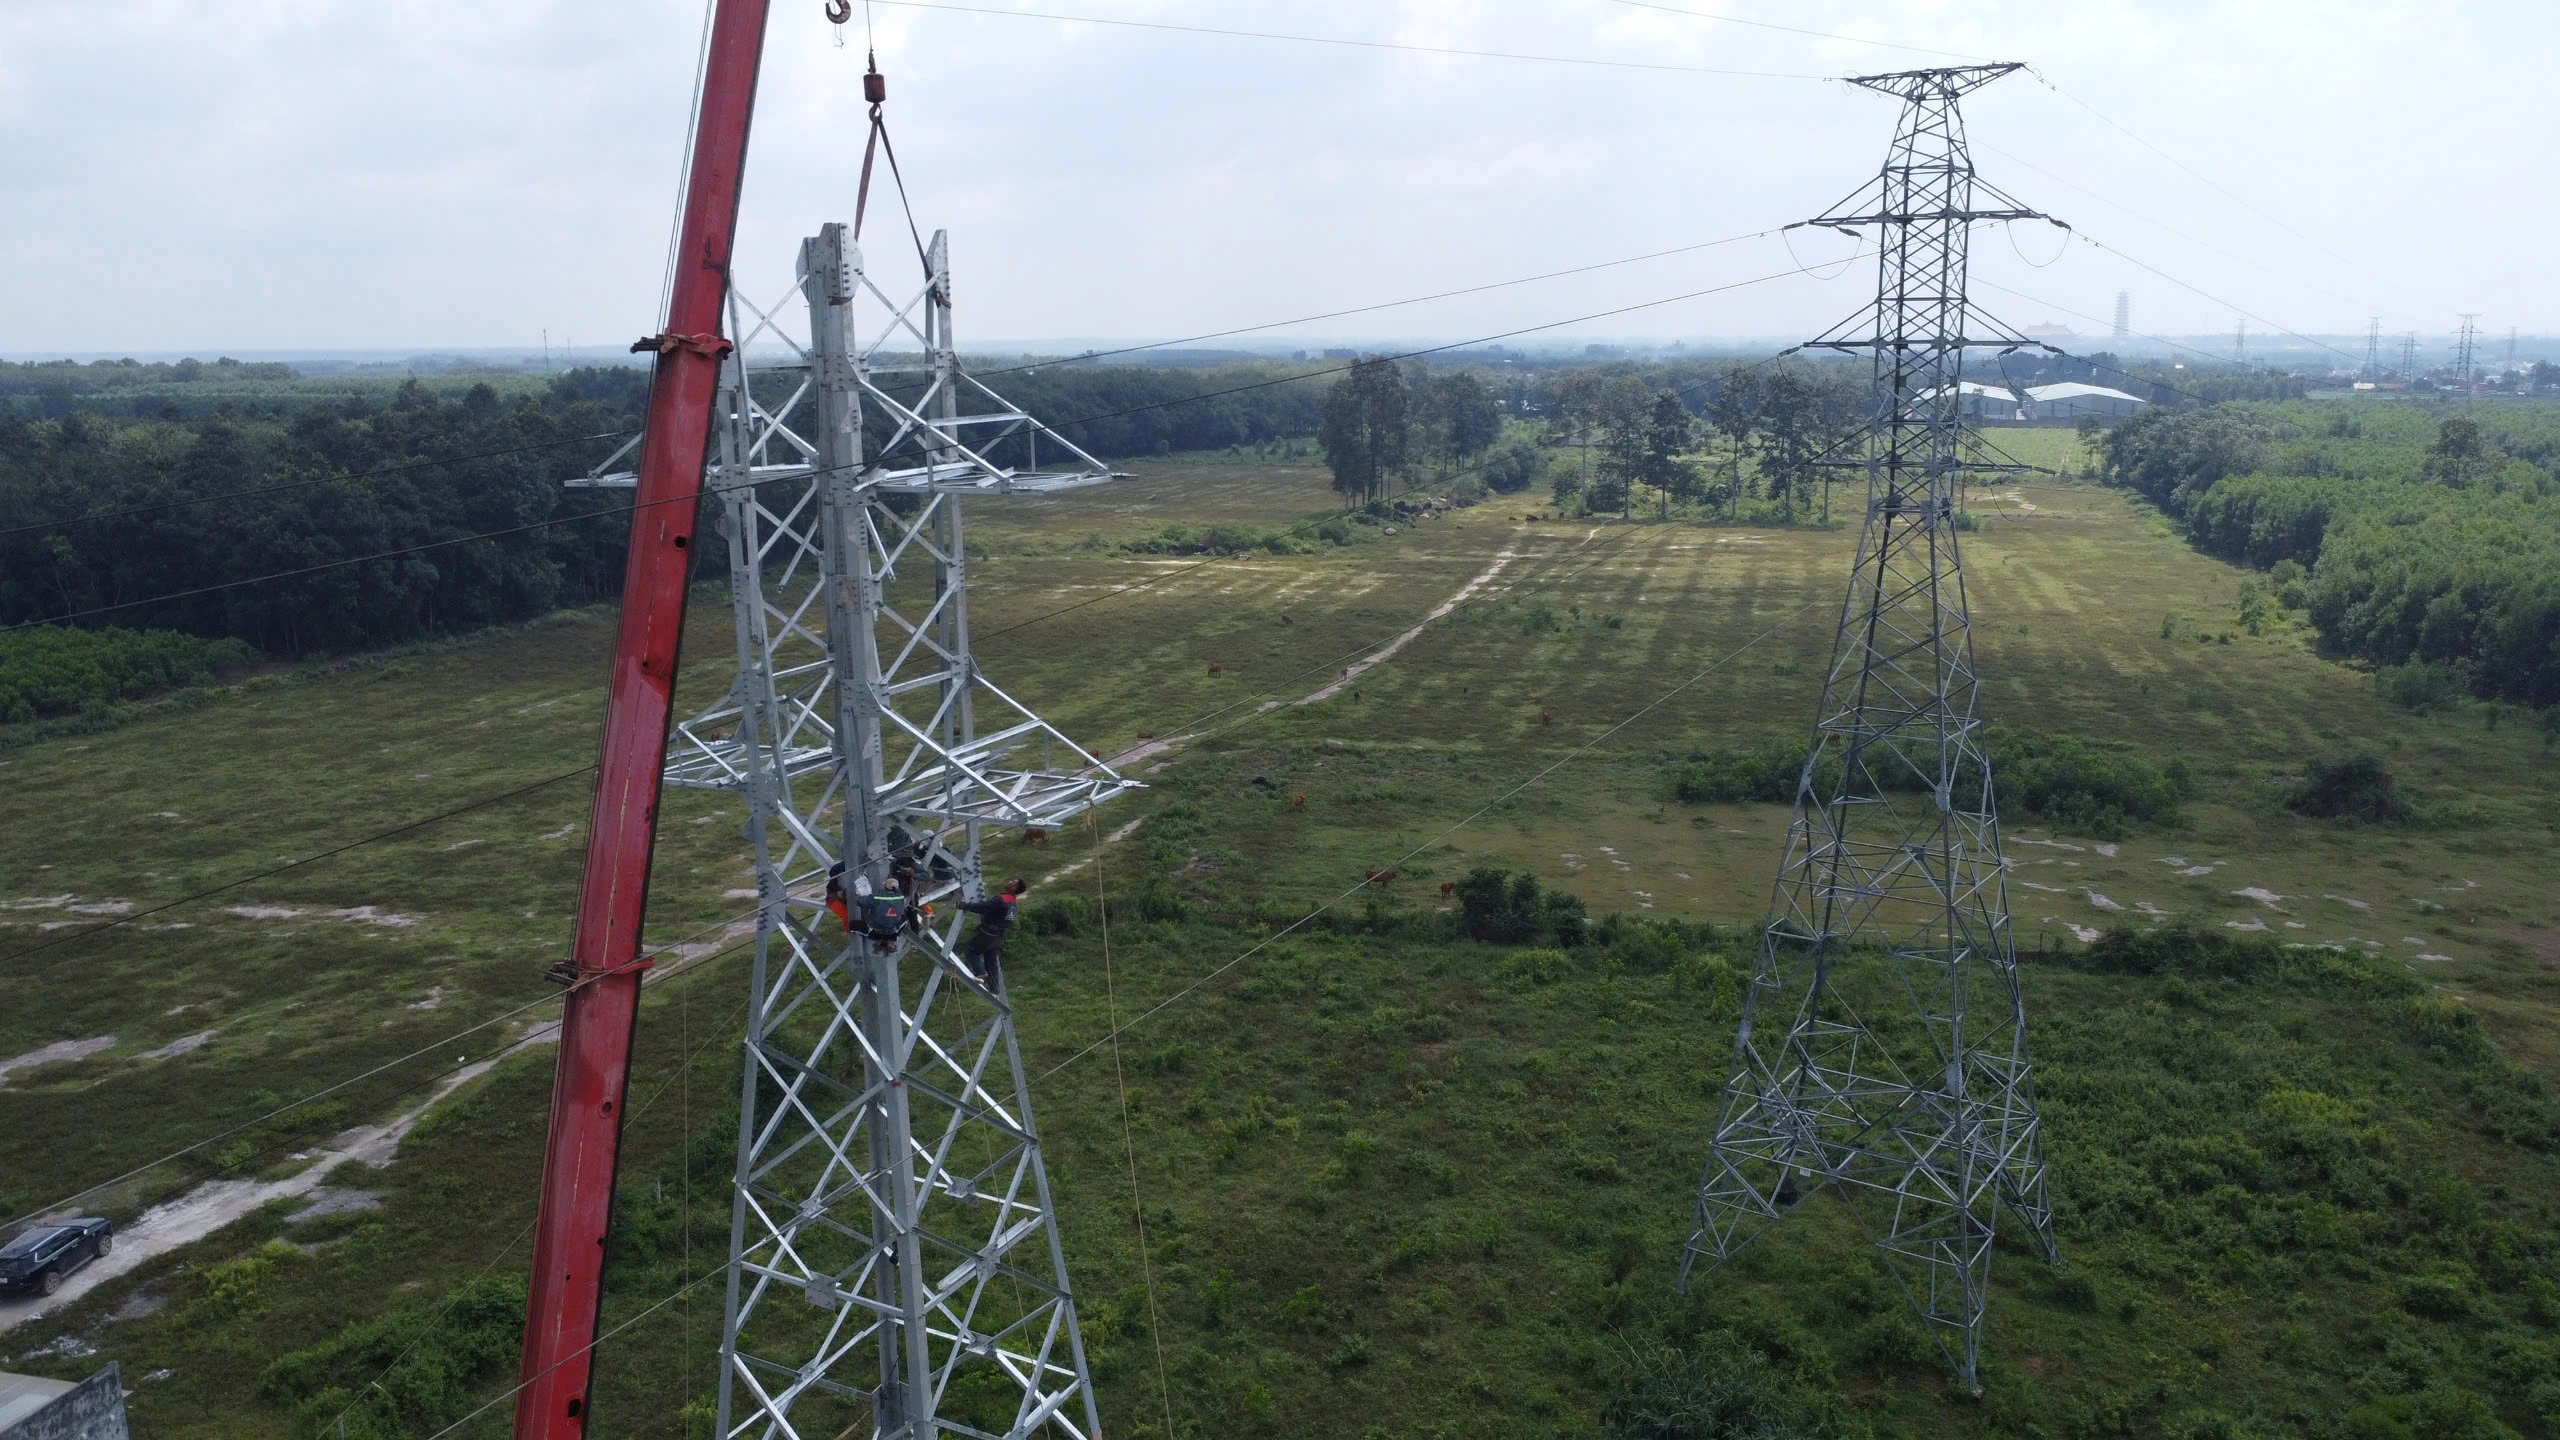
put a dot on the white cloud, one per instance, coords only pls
(303, 173)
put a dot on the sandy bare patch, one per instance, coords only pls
(434, 999)
(2255, 927)
(181, 1046)
(367, 914)
(70, 904)
(1114, 838)
(2107, 850)
(2053, 845)
(2265, 897)
(2101, 901)
(56, 1053)
(1387, 651)
(2350, 904)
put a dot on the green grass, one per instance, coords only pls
(1511, 1219)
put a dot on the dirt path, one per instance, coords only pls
(207, 1208)
(1388, 651)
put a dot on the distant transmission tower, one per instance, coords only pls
(895, 1265)
(2469, 336)
(2373, 348)
(2124, 317)
(2510, 366)
(2409, 356)
(1892, 869)
(2240, 343)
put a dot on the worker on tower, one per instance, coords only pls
(985, 952)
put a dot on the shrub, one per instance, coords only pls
(2061, 778)
(2354, 788)
(1720, 1389)
(447, 1350)
(1497, 906)
(49, 670)
(2421, 686)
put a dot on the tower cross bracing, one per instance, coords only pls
(1890, 889)
(895, 1266)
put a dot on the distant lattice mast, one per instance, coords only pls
(2373, 348)
(1894, 846)
(2124, 317)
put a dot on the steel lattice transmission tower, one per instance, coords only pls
(893, 1230)
(2373, 348)
(2124, 317)
(2465, 341)
(2409, 356)
(1891, 882)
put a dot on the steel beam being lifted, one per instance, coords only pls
(605, 963)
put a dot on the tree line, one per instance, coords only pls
(1604, 439)
(2408, 537)
(129, 438)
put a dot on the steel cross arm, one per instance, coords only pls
(601, 1012)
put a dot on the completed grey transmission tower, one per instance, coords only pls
(1890, 889)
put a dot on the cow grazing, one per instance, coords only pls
(1297, 802)
(1035, 836)
(1381, 877)
(1448, 888)
(1216, 669)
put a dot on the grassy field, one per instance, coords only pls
(1392, 1179)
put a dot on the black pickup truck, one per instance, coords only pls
(43, 1256)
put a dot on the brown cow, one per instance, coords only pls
(1448, 888)
(1297, 801)
(1035, 836)
(1381, 877)
(1215, 669)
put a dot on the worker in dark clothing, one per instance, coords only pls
(837, 903)
(985, 952)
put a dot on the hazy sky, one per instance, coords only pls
(274, 174)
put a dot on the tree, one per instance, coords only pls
(1363, 428)
(1515, 465)
(1732, 412)
(1454, 416)
(1474, 418)
(1619, 413)
(1793, 425)
(2460, 455)
(1666, 435)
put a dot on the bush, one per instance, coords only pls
(1721, 1389)
(448, 1351)
(1497, 906)
(2061, 778)
(50, 670)
(2355, 788)
(2421, 686)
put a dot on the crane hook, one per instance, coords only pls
(839, 11)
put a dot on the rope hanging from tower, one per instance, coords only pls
(875, 91)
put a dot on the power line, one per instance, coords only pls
(2225, 191)
(1576, 753)
(2090, 239)
(1353, 44)
(397, 830)
(1383, 305)
(1164, 576)
(1079, 420)
(307, 484)
(1794, 29)
(432, 1047)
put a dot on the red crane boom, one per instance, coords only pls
(605, 966)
